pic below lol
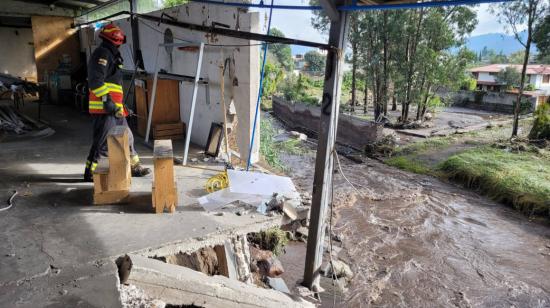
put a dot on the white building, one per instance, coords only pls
(538, 75)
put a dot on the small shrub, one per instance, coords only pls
(541, 125)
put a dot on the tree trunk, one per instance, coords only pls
(393, 103)
(385, 75)
(517, 108)
(353, 75)
(366, 98)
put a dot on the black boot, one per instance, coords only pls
(88, 177)
(139, 171)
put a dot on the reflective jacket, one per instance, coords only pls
(105, 79)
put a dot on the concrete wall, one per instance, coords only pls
(17, 52)
(352, 131)
(53, 38)
(246, 68)
(490, 101)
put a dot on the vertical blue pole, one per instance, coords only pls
(260, 91)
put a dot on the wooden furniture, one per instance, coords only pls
(112, 176)
(164, 191)
(169, 131)
(167, 105)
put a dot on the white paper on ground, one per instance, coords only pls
(216, 200)
(256, 183)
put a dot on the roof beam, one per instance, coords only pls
(330, 8)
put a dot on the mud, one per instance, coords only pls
(414, 241)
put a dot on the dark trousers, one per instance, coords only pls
(102, 124)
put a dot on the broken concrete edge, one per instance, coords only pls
(179, 285)
(213, 239)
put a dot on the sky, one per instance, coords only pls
(296, 23)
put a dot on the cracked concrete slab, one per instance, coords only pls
(53, 224)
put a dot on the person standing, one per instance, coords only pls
(106, 99)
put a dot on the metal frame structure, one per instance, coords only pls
(193, 99)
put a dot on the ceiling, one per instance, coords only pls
(47, 7)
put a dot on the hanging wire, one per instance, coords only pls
(260, 91)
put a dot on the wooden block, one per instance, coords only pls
(168, 126)
(119, 177)
(164, 192)
(111, 197)
(101, 176)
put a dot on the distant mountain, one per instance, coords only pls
(496, 41)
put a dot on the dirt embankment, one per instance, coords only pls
(414, 241)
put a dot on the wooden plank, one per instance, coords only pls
(119, 177)
(141, 107)
(111, 197)
(170, 132)
(167, 104)
(164, 192)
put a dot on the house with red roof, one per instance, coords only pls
(538, 75)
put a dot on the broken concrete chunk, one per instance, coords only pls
(290, 210)
(339, 269)
(302, 231)
(277, 284)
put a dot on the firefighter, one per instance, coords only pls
(106, 105)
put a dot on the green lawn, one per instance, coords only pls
(520, 179)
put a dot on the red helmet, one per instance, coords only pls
(113, 34)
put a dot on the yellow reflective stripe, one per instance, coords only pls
(100, 91)
(110, 30)
(96, 105)
(94, 165)
(118, 105)
(134, 160)
(113, 87)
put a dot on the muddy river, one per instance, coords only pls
(414, 241)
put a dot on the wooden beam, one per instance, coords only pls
(164, 191)
(322, 180)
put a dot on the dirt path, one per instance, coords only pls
(415, 241)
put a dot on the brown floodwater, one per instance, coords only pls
(414, 241)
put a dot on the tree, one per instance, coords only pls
(541, 37)
(315, 61)
(515, 14)
(517, 57)
(509, 77)
(282, 52)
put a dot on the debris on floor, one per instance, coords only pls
(15, 124)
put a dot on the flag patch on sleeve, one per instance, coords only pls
(102, 61)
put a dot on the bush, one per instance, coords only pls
(541, 125)
(469, 84)
(295, 89)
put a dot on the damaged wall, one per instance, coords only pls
(352, 131)
(17, 52)
(245, 58)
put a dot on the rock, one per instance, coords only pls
(206, 159)
(304, 292)
(341, 270)
(276, 203)
(194, 160)
(259, 254)
(303, 232)
(63, 292)
(428, 116)
(290, 210)
(298, 135)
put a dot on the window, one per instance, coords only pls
(545, 78)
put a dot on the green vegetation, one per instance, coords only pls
(298, 89)
(408, 164)
(424, 145)
(541, 125)
(273, 239)
(271, 150)
(509, 77)
(520, 179)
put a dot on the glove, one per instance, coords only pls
(108, 104)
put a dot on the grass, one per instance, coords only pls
(434, 143)
(273, 239)
(409, 164)
(520, 179)
(271, 150)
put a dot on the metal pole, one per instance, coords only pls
(193, 101)
(153, 97)
(322, 180)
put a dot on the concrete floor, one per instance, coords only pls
(57, 248)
